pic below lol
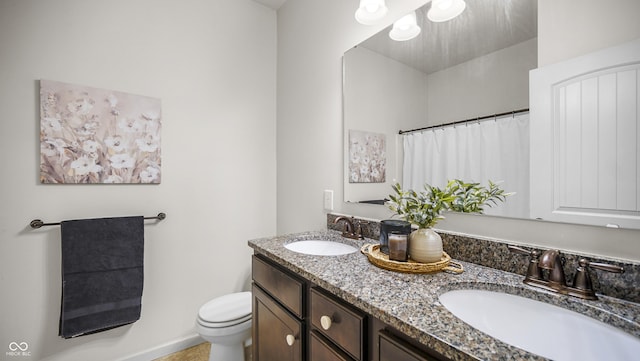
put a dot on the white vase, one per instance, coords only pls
(425, 246)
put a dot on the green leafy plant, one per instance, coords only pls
(472, 197)
(425, 208)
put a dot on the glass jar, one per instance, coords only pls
(398, 247)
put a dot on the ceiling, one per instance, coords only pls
(274, 4)
(484, 27)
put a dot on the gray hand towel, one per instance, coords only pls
(102, 274)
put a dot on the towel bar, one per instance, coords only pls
(36, 223)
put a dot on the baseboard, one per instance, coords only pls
(166, 349)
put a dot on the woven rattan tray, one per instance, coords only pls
(372, 251)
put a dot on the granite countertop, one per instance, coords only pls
(409, 302)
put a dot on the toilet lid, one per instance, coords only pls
(231, 307)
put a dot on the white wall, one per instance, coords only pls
(212, 64)
(570, 28)
(494, 83)
(310, 48)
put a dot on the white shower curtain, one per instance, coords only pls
(496, 150)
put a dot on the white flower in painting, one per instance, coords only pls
(114, 179)
(148, 144)
(80, 106)
(130, 125)
(90, 146)
(150, 115)
(52, 147)
(112, 100)
(88, 128)
(116, 143)
(375, 174)
(51, 123)
(85, 165)
(120, 161)
(149, 175)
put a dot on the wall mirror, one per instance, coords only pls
(476, 69)
(472, 66)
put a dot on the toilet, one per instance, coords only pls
(226, 323)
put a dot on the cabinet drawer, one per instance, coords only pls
(281, 286)
(343, 325)
(322, 350)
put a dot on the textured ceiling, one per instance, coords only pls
(484, 27)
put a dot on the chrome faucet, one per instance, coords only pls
(552, 261)
(350, 230)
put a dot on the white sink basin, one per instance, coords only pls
(541, 328)
(319, 247)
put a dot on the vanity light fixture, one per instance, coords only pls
(406, 28)
(444, 10)
(370, 11)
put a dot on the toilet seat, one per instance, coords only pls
(229, 323)
(226, 311)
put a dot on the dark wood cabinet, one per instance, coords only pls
(321, 349)
(342, 324)
(392, 348)
(293, 319)
(277, 335)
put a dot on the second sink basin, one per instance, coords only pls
(540, 328)
(318, 247)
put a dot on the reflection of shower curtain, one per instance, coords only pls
(496, 150)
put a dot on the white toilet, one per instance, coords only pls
(226, 323)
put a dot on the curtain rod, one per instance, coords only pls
(36, 223)
(514, 112)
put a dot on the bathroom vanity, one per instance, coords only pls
(309, 307)
(294, 319)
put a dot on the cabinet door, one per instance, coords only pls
(393, 349)
(277, 335)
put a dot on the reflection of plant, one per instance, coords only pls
(425, 208)
(471, 197)
(94, 136)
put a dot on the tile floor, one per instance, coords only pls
(198, 353)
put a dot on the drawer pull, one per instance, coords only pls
(325, 322)
(291, 339)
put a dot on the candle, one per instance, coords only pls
(398, 247)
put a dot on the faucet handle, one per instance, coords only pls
(582, 280)
(603, 266)
(358, 230)
(533, 271)
(519, 250)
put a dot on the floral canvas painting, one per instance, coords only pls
(367, 157)
(90, 135)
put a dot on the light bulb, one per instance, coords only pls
(444, 10)
(444, 4)
(405, 28)
(370, 11)
(372, 8)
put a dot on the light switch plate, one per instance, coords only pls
(328, 200)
